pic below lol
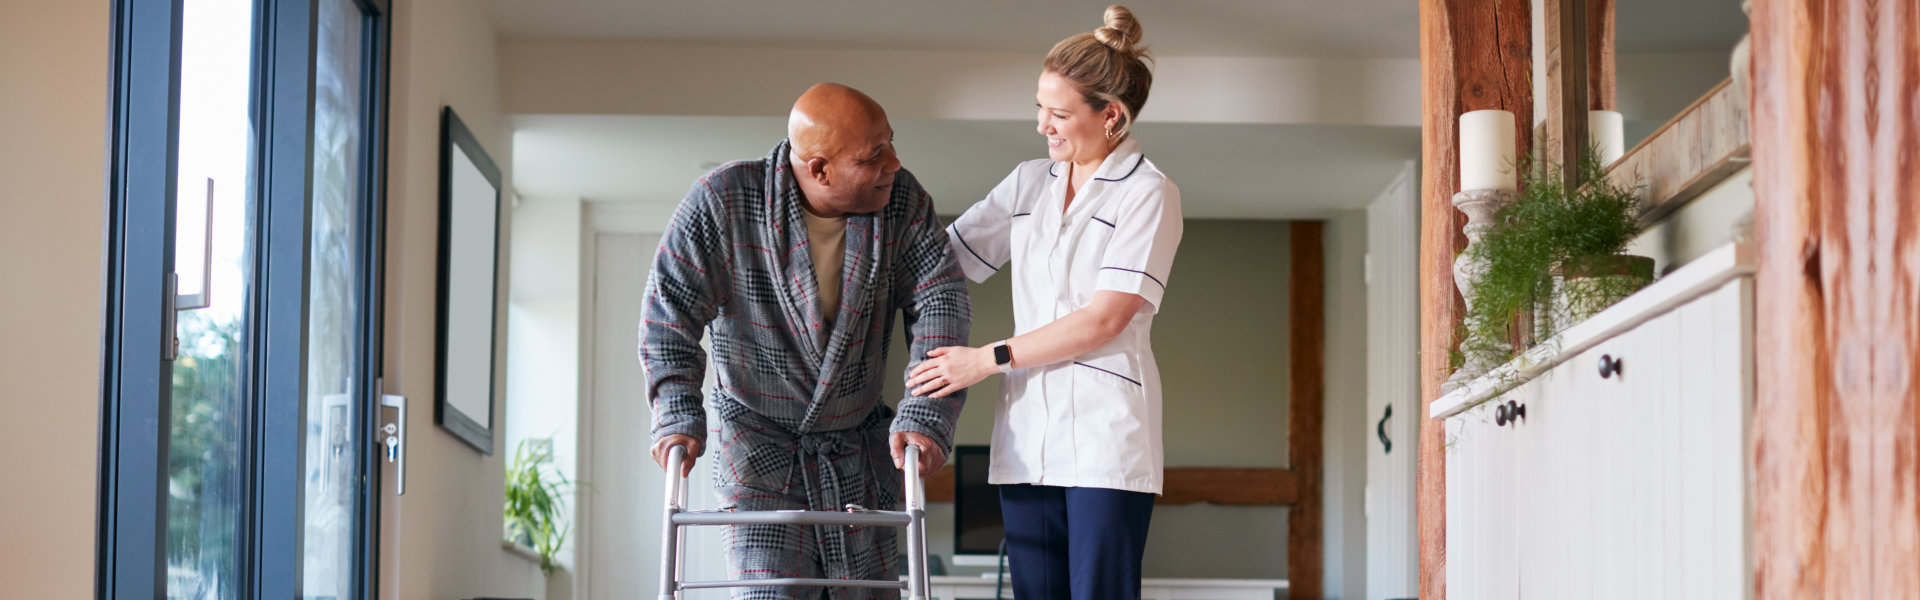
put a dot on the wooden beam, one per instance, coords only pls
(1188, 485)
(1473, 55)
(1306, 573)
(1601, 91)
(1230, 487)
(1836, 415)
(1701, 147)
(940, 487)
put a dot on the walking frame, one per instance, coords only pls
(676, 515)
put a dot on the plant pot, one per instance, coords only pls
(1582, 287)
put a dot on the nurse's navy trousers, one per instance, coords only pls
(1074, 543)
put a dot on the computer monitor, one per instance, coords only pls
(977, 529)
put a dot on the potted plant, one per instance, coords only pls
(1552, 258)
(536, 492)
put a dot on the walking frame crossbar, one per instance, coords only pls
(796, 517)
(672, 549)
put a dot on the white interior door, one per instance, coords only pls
(1393, 389)
(625, 486)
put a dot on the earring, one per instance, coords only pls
(1109, 133)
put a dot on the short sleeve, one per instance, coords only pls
(1146, 234)
(981, 237)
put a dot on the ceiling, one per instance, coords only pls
(1349, 28)
(1300, 28)
(1224, 171)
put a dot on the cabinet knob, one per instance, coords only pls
(1509, 413)
(1610, 366)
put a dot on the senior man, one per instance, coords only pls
(798, 263)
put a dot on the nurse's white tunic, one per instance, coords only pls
(1094, 420)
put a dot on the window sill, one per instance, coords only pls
(521, 551)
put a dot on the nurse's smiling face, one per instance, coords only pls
(1075, 132)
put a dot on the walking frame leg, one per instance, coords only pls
(916, 527)
(671, 543)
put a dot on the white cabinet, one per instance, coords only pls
(1617, 483)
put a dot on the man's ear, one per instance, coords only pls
(817, 169)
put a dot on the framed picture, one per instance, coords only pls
(469, 284)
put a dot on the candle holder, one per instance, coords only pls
(1479, 206)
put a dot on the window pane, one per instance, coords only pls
(206, 482)
(334, 440)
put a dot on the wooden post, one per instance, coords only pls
(1836, 157)
(1601, 92)
(1566, 87)
(1473, 56)
(1306, 571)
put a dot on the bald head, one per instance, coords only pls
(842, 150)
(832, 118)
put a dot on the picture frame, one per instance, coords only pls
(469, 286)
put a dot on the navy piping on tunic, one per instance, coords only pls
(1022, 214)
(1136, 167)
(976, 255)
(1129, 379)
(1149, 275)
(1105, 222)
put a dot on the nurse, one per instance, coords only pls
(1090, 233)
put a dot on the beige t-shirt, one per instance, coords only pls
(827, 242)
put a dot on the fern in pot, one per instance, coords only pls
(536, 493)
(1554, 257)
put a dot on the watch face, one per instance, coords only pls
(1002, 354)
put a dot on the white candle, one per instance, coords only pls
(1486, 151)
(1609, 132)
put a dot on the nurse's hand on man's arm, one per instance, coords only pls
(694, 449)
(951, 369)
(931, 458)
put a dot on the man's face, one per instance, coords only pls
(861, 173)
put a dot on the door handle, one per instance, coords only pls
(1380, 429)
(396, 441)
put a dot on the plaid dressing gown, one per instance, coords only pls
(802, 424)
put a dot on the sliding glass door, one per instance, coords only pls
(341, 401)
(239, 397)
(214, 227)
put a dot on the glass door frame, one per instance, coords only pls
(135, 371)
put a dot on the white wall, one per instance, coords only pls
(1393, 330)
(1346, 430)
(1702, 225)
(53, 60)
(442, 539)
(618, 77)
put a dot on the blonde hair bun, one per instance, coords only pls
(1122, 32)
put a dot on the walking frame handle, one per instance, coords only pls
(672, 548)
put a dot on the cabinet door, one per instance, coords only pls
(1482, 547)
(1717, 389)
(1556, 444)
(1632, 478)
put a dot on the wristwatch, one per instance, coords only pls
(1003, 356)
